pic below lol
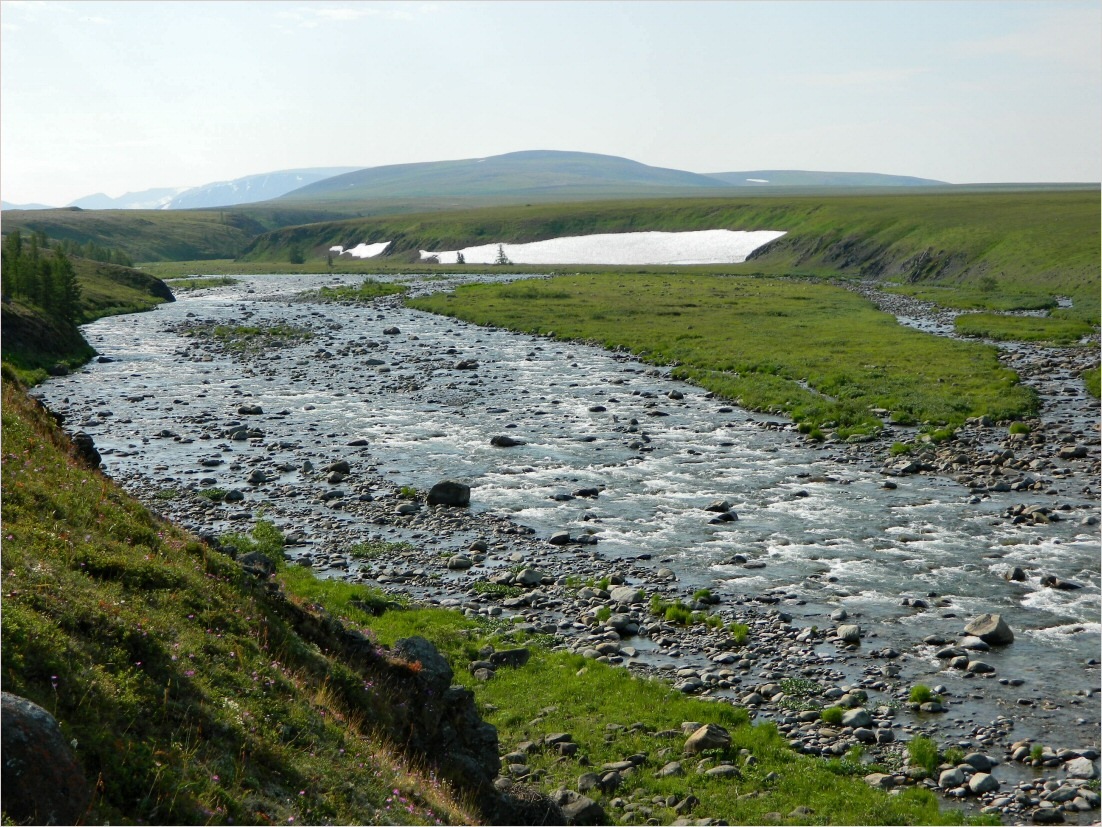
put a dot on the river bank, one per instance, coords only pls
(819, 529)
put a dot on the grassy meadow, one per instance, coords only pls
(1044, 242)
(818, 353)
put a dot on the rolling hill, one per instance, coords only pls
(531, 173)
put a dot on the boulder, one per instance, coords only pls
(450, 493)
(626, 594)
(1081, 768)
(707, 737)
(583, 810)
(434, 669)
(983, 782)
(504, 441)
(857, 717)
(42, 781)
(849, 633)
(990, 628)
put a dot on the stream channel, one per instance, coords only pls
(816, 525)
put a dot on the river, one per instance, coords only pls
(816, 526)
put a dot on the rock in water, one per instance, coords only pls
(506, 442)
(449, 492)
(850, 633)
(990, 628)
(42, 781)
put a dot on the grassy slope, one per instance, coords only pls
(33, 342)
(190, 696)
(159, 235)
(1044, 239)
(758, 340)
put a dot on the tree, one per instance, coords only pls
(501, 257)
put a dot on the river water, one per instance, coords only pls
(819, 518)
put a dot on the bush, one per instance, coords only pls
(899, 448)
(923, 753)
(832, 715)
(1019, 428)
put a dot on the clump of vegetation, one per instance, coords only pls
(921, 693)
(740, 633)
(923, 753)
(901, 448)
(367, 290)
(832, 715)
(1018, 428)
(496, 589)
(374, 549)
(247, 338)
(1093, 380)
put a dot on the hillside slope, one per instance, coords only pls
(1041, 240)
(161, 235)
(538, 172)
(191, 687)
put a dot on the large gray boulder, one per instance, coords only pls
(42, 782)
(449, 492)
(990, 628)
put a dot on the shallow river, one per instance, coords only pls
(829, 533)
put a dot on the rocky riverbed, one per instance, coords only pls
(598, 485)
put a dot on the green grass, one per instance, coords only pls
(199, 283)
(923, 753)
(1093, 380)
(189, 695)
(986, 296)
(1060, 331)
(817, 353)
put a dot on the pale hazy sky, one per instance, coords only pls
(124, 96)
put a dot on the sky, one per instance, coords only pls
(117, 97)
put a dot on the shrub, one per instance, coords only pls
(832, 715)
(604, 613)
(923, 753)
(1019, 428)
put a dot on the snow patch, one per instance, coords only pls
(758, 180)
(361, 250)
(694, 247)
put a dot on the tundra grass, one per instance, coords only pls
(188, 698)
(1002, 328)
(367, 290)
(612, 714)
(817, 353)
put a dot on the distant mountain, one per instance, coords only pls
(7, 205)
(154, 199)
(252, 188)
(247, 190)
(531, 173)
(808, 178)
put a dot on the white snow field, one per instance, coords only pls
(694, 247)
(361, 250)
